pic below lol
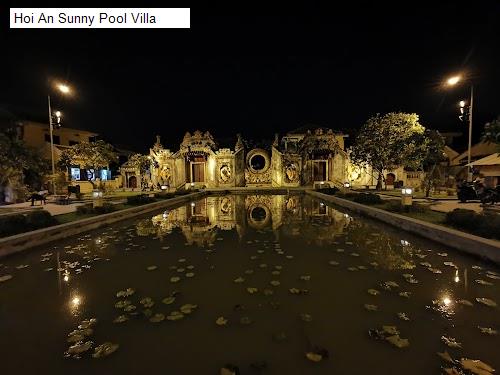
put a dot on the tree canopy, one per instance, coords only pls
(18, 162)
(390, 141)
(139, 161)
(89, 155)
(492, 131)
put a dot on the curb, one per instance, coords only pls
(19, 242)
(467, 243)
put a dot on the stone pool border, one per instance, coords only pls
(465, 242)
(19, 242)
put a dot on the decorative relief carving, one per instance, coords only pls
(225, 174)
(292, 172)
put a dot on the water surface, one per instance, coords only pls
(329, 256)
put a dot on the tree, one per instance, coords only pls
(19, 164)
(89, 155)
(141, 162)
(435, 155)
(390, 141)
(492, 131)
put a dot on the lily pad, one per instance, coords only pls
(189, 274)
(398, 341)
(487, 302)
(105, 349)
(239, 280)
(120, 319)
(252, 290)
(174, 279)
(221, 321)
(147, 302)
(314, 357)
(404, 294)
(373, 292)
(403, 316)
(465, 302)
(122, 304)
(87, 323)
(390, 330)
(79, 348)
(306, 317)
(151, 268)
(175, 315)
(333, 263)
(248, 272)
(268, 292)
(305, 278)
(168, 300)
(129, 308)
(371, 307)
(476, 366)
(488, 331)
(276, 273)
(125, 293)
(274, 282)
(157, 318)
(5, 278)
(451, 342)
(188, 308)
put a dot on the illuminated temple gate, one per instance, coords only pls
(303, 157)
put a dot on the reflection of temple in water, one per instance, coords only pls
(286, 215)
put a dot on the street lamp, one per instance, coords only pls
(452, 81)
(64, 89)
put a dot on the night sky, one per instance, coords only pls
(258, 71)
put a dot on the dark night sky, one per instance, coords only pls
(259, 71)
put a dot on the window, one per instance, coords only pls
(72, 143)
(56, 138)
(258, 162)
(105, 175)
(75, 173)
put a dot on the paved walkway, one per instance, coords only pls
(54, 209)
(447, 206)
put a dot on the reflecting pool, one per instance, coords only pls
(272, 284)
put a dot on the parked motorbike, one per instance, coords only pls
(491, 196)
(477, 191)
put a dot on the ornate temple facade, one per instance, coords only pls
(304, 157)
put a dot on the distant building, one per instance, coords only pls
(488, 168)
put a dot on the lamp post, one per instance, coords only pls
(65, 90)
(452, 81)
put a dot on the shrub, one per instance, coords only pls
(39, 219)
(84, 209)
(367, 198)
(105, 208)
(451, 192)
(462, 218)
(12, 224)
(139, 199)
(485, 225)
(18, 223)
(330, 190)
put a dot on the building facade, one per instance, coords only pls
(308, 156)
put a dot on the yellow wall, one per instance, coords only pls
(34, 134)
